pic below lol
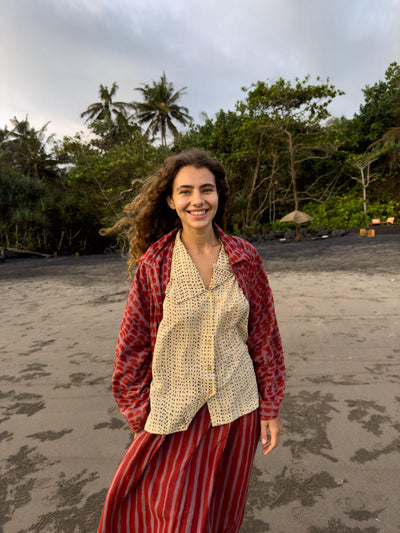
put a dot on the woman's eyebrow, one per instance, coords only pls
(202, 186)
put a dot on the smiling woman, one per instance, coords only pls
(199, 371)
(150, 216)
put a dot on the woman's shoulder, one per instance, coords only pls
(242, 243)
(156, 251)
(239, 245)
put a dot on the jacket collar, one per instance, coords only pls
(156, 253)
(235, 247)
(153, 255)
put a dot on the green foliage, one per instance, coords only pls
(217, 136)
(338, 212)
(274, 142)
(347, 212)
(377, 114)
(24, 208)
(279, 147)
(285, 101)
(111, 132)
(25, 150)
(103, 180)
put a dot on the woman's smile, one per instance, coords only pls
(198, 213)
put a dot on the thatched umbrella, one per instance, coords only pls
(298, 217)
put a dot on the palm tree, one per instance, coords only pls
(105, 109)
(24, 149)
(159, 108)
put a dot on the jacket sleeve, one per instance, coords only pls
(132, 365)
(264, 342)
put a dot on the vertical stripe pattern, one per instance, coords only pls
(194, 481)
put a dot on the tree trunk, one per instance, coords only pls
(364, 180)
(292, 170)
(163, 133)
(61, 240)
(364, 188)
(253, 181)
(22, 251)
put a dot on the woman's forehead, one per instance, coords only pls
(192, 176)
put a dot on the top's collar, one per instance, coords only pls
(185, 277)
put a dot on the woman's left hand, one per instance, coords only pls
(270, 434)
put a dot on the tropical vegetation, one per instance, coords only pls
(281, 147)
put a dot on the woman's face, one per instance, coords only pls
(194, 197)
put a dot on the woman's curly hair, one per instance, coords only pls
(148, 217)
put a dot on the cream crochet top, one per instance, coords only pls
(200, 355)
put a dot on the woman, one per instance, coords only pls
(199, 371)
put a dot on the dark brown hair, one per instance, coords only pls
(148, 217)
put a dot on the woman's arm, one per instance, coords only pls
(264, 344)
(132, 365)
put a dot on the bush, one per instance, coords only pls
(342, 212)
(347, 212)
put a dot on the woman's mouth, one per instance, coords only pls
(198, 213)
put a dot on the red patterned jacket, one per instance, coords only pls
(144, 311)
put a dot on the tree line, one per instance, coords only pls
(281, 147)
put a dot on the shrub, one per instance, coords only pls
(342, 212)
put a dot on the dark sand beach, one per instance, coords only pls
(337, 469)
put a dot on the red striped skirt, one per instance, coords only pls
(193, 481)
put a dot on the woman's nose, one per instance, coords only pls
(197, 198)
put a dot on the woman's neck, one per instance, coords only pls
(199, 241)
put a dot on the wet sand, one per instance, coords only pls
(337, 467)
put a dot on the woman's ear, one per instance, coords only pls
(170, 202)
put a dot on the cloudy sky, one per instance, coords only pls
(55, 53)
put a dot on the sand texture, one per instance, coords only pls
(337, 469)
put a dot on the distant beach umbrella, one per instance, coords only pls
(298, 217)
